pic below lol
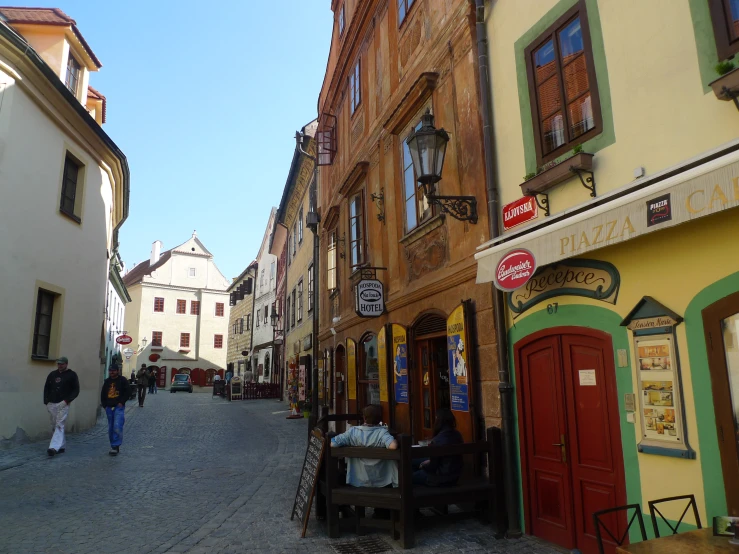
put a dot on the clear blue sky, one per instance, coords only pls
(204, 99)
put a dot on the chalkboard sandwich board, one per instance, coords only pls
(308, 478)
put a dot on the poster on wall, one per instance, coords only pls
(456, 349)
(658, 388)
(400, 364)
(382, 363)
(301, 378)
(322, 381)
(351, 369)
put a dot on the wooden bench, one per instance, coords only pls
(484, 494)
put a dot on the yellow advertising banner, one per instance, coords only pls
(457, 351)
(382, 363)
(400, 364)
(351, 368)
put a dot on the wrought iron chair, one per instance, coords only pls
(653, 510)
(599, 523)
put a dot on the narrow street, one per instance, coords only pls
(195, 474)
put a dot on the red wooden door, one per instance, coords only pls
(162, 377)
(570, 423)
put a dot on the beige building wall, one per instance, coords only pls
(240, 325)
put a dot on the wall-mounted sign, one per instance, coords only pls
(659, 384)
(128, 352)
(589, 278)
(400, 364)
(369, 298)
(659, 210)
(307, 342)
(514, 269)
(457, 352)
(518, 212)
(124, 339)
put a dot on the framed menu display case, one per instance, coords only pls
(658, 380)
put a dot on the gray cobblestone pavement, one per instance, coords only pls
(195, 474)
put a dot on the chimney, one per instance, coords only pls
(156, 250)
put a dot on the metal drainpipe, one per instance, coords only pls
(505, 386)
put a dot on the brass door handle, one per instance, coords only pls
(563, 447)
(557, 444)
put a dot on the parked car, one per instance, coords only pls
(181, 382)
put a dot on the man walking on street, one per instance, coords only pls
(62, 386)
(142, 379)
(152, 380)
(113, 398)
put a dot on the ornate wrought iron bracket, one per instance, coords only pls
(379, 199)
(734, 95)
(463, 208)
(544, 204)
(588, 182)
(367, 272)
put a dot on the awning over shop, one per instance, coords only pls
(703, 190)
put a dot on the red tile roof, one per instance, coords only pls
(46, 16)
(92, 93)
(136, 275)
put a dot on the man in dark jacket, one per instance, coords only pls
(113, 398)
(142, 380)
(443, 470)
(62, 386)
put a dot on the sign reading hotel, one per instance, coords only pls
(400, 364)
(514, 270)
(518, 212)
(369, 298)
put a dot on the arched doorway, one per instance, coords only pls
(430, 373)
(209, 376)
(340, 385)
(267, 372)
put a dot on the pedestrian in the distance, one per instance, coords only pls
(61, 388)
(133, 375)
(113, 398)
(152, 380)
(142, 380)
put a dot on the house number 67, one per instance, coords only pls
(552, 308)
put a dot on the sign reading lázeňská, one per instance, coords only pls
(369, 298)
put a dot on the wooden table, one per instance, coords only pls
(701, 541)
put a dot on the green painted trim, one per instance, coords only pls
(601, 319)
(710, 457)
(608, 136)
(705, 42)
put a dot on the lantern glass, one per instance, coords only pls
(427, 147)
(441, 142)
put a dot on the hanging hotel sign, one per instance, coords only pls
(589, 278)
(518, 212)
(710, 188)
(514, 270)
(369, 298)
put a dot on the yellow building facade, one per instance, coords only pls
(623, 341)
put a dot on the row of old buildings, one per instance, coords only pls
(559, 261)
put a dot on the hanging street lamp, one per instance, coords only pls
(427, 146)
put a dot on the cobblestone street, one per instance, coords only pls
(195, 474)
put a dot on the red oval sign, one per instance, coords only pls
(515, 269)
(124, 339)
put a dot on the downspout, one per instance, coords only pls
(510, 461)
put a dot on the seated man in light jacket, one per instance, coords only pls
(365, 472)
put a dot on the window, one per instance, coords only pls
(181, 306)
(356, 231)
(331, 261)
(195, 307)
(217, 341)
(287, 313)
(261, 279)
(355, 87)
(70, 182)
(42, 325)
(295, 238)
(417, 208)
(248, 322)
(725, 17)
(300, 301)
(292, 316)
(233, 329)
(266, 314)
(564, 95)
(241, 326)
(310, 287)
(342, 20)
(191, 272)
(158, 304)
(300, 226)
(73, 74)
(404, 6)
(219, 309)
(156, 338)
(272, 271)
(256, 319)
(184, 340)
(369, 372)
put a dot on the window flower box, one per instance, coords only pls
(728, 82)
(553, 176)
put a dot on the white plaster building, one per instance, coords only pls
(115, 311)
(65, 188)
(264, 298)
(178, 316)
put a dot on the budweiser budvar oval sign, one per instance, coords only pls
(516, 267)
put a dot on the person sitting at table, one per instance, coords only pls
(442, 470)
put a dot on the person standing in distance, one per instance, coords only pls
(113, 398)
(142, 380)
(62, 386)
